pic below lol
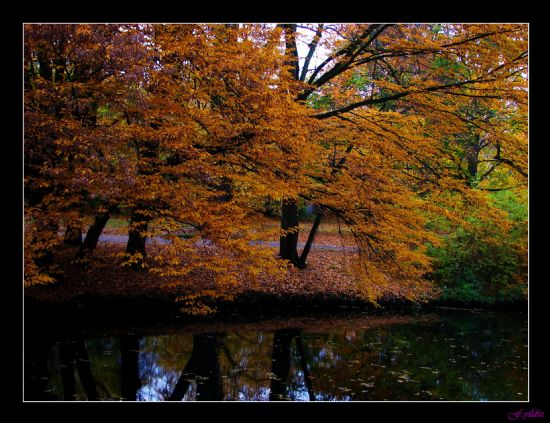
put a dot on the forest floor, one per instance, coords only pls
(327, 277)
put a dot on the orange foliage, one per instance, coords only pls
(195, 126)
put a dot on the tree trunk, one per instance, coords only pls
(309, 242)
(288, 245)
(136, 238)
(472, 158)
(148, 152)
(473, 163)
(289, 221)
(73, 235)
(94, 232)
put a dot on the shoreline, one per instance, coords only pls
(248, 306)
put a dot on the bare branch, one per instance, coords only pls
(312, 47)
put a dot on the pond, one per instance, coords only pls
(438, 355)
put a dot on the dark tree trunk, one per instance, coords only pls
(289, 220)
(94, 232)
(288, 245)
(182, 385)
(209, 385)
(472, 158)
(73, 235)
(136, 238)
(45, 69)
(136, 241)
(148, 152)
(130, 381)
(310, 239)
(204, 366)
(473, 163)
(292, 50)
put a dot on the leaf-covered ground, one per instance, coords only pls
(329, 274)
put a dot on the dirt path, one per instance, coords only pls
(123, 239)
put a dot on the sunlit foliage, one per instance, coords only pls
(191, 129)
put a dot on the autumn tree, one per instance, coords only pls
(72, 157)
(387, 98)
(188, 137)
(190, 128)
(225, 116)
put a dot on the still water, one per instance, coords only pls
(441, 355)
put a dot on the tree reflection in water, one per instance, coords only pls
(203, 367)
(280, 367)
(73, 354)
(130, 382)
(459, 357)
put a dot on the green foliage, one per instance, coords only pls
(485, 263)
(319, 101)
(436, 28)
(117, 222)
(471, 269)
(512, 203)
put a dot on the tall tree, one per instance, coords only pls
(74, 76)
(189, 128)
(408, 102)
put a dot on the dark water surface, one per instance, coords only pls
(430, 356)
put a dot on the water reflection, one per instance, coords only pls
(203, 369)
(130, 382)
(449, 356)
(73, 355)
(280, 368)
